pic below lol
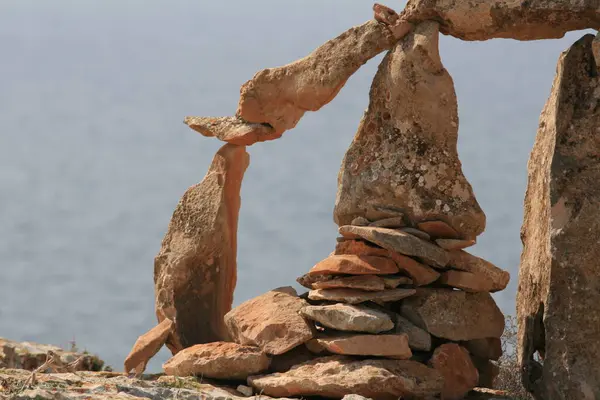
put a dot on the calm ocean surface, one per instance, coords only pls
(94, 155)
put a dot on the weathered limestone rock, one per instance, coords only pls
(270, 321)
(392, 282)
(30, 356)
(455, 365)
(346, 317)
(391, 19)
(390, 346)
(338, 376)
(488, 348)
(195, 270)
(286, 361)
(467, 281)
(392, 223)
(370, 283)
(232, 130)
(418, 339)
(404, 153)
(418, 233)
(352, 296)
(147, 346)
(218, 360)
(280, 96)
(558, 302)
(483, 20)
(463, 261)
(360, 221)
(400, 242)
(454, 315)
(354, 265)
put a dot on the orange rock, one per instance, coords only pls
(390, 346)
(218, 360)
(438, 229)
(195, 271)
(354, 265)
(270, 321)
(147, 346)
(455, 244)
(420, 274)
(455, 365)
(233, 130)
(370, 283)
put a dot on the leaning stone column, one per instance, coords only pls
(403, 159)
(558, 302)
(195, 271)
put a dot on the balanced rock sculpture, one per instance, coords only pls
(558, 302)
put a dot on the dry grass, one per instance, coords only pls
(509, 378)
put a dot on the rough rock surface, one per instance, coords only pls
(29, 356)
(454, 314)
(338, 376)
(147, 346)
(418, 339)
(280, 96)
(270, 321)
(352, 296)
(354, 265)
(404, 154)
(464, 261)
(370, 283)
(467, 281)
(284, 362)
(438, 229)
(195, 270)
(218, 360)
(483, 19)
(400, 242)
(488, 348)
(345, 317)
(232, 130)
(390, 346)
(558, 302)
(455, 244)
(455, 365)
(112, 386)
(393, 282)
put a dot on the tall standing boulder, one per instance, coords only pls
(404, 154)
(195, 271)
(558, 302)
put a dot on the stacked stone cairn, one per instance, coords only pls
(399, 309)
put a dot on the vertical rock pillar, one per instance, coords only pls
(558, 301)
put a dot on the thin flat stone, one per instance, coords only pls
(370, 283)
(464, 261)
(344, 317)
(438, 229)
(232, 130)
(389, 346)
(308, 280)
(467, 281)
(351, 296)
(393, 222)
(418, 233)
(400, 242)
(455, 244)
(354, 265)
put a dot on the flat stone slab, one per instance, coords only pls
(354, 265)
(461, 260)
(389, 346)
(337, 376)
(351, 296)
(370, 283)
(345, 317)
(467, 281)
(455, 365)
(455, 244)
(454, 314)
(147, 346)
(418, 339)
(400, 242)
(219, 360)
(232, 130)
